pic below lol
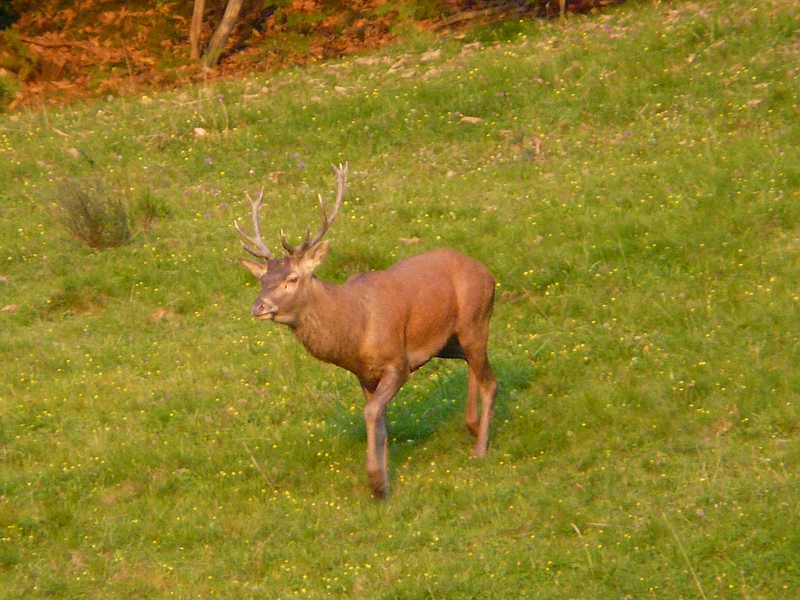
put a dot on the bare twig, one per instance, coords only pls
(685, 556)
(257, 466)
(585, 547)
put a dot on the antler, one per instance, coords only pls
(341, 175)
(261, 250)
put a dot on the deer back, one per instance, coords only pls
(412, 309)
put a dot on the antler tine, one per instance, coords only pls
(261, 250)
(327, 220)
(295, 249)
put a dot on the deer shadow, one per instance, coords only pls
(437, 400)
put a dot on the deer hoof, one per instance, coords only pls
(378, 485)
(479, 451)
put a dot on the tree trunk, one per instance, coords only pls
(197, 25)
(220, 37)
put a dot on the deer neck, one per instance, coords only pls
(331, 324)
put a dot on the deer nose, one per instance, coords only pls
(261, 308)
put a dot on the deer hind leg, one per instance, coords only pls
(453, 349)
(377, 437)
(472, 417)
(481, 382)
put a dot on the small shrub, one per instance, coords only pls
(94, 214)
(150, 208)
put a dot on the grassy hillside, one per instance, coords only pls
(632, 180)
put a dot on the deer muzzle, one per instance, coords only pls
(263, 310)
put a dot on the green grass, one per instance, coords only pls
(634, 185)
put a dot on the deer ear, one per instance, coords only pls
(313, 257)
(256, 269)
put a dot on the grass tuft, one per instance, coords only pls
(93, 213)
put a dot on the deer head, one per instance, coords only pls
(283, 280)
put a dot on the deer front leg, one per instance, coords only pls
(377, 438)
(377, 455)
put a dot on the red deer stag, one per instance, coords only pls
(381, 325)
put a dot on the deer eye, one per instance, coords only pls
(292, 278)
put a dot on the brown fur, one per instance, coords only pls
(383, 325)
